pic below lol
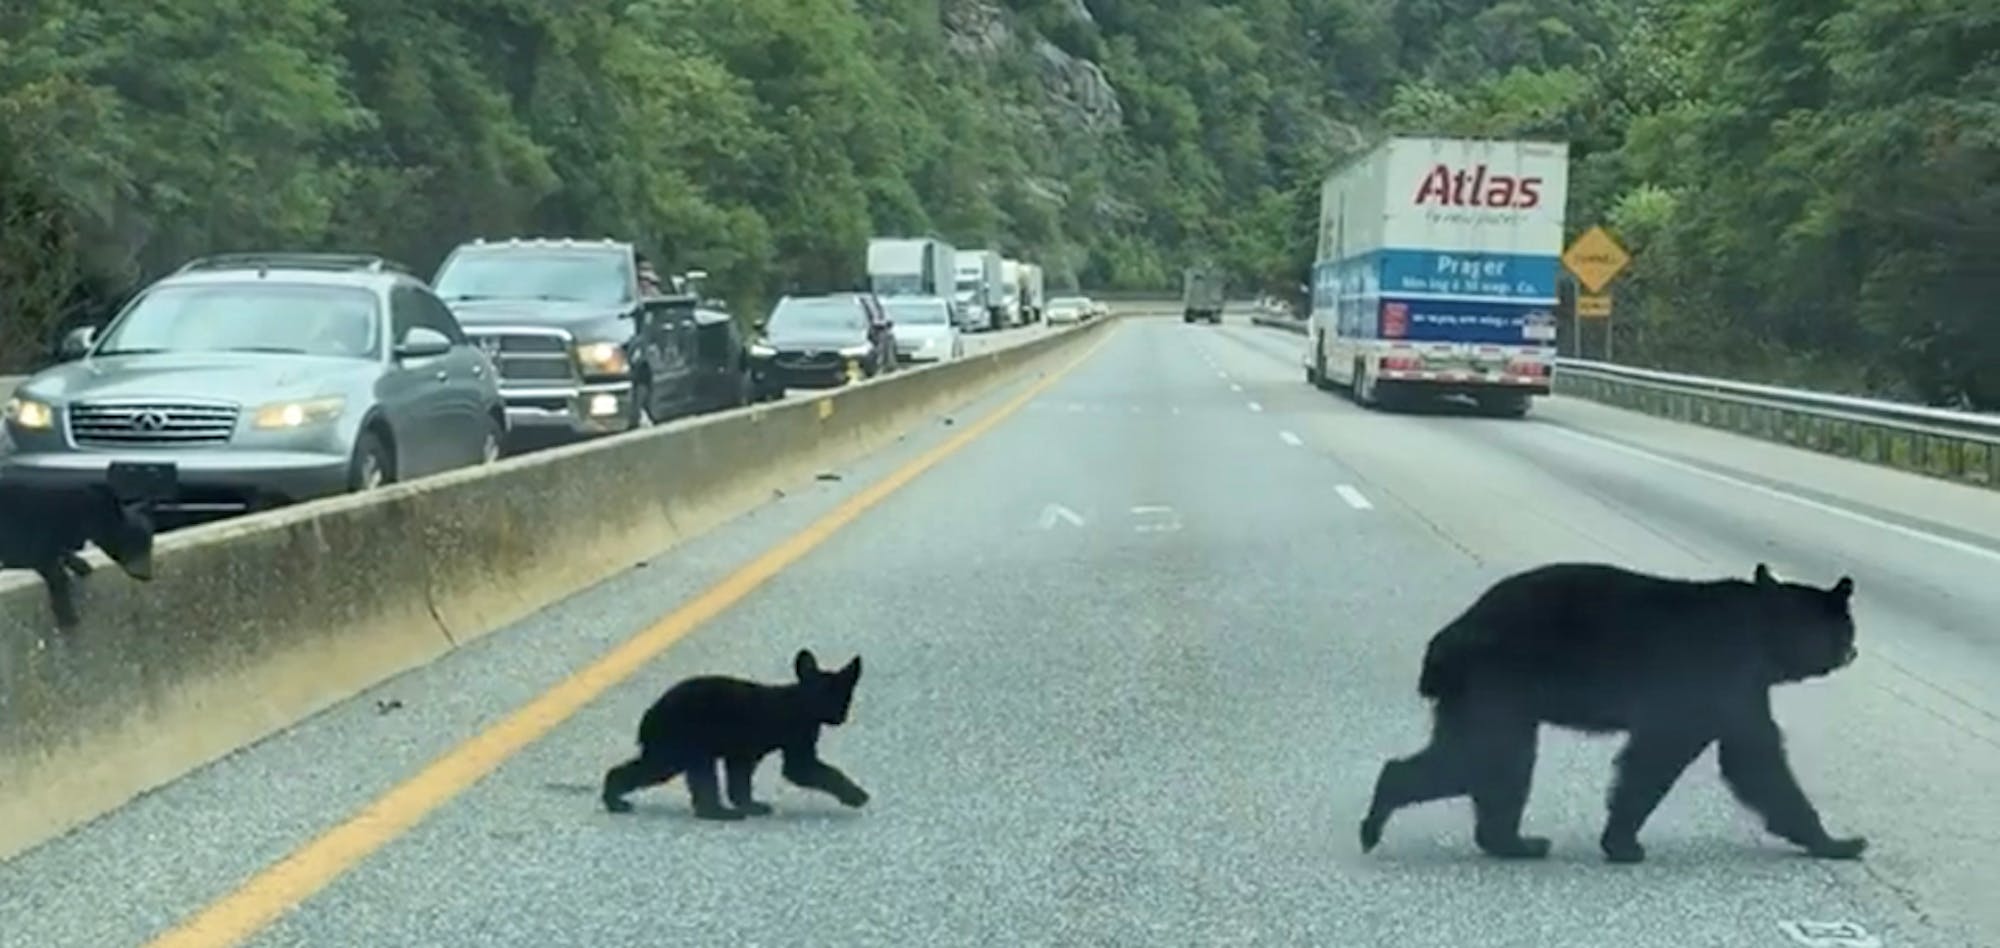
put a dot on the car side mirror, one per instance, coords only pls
(423, 343)
(760, 323)
(77, 343)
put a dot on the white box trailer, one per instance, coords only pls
(1436, 271)
(910, 266)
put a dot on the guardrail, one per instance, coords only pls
(1951, 445)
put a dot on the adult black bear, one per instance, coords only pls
(1675, 664)
(708, 718)
(44, 529)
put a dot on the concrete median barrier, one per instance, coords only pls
(255, 624)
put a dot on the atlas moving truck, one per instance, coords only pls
(1436, 271)
(979, 292)
(911, 266)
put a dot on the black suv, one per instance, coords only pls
(584, 343)
(826, 341)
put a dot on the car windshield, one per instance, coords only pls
(823, 315)
(249, 317)
(582, 276)
(925, 312)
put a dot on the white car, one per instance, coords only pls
(923, 328)
(1068, 309)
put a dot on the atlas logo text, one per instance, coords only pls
(1478, 188)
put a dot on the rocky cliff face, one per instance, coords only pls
(1075, 90)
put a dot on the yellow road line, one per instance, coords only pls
(284, 884)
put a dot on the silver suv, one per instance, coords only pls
(264, 379)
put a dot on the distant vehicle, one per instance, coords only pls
(1436, 271)
(911, 266)
(923, 328)
(264, 379)
(826, 341)
(1098, 309)
(1068, 309)
(979, 292)
(584, 348)
(1013, 311)
(1201, 295)
(1033, 302)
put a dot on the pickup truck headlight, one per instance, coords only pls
(602, 358)
(298, 414)
(30, 414)
(761, 351)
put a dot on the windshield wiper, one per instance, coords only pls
(128, 352)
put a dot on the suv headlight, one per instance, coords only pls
(856, 351)
(762, 351)
(602, 358)
(31, 414)
(279, 416)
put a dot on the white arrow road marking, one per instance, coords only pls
(1056, 513)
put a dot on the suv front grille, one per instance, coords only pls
(801, 360)
(150, 424)
(528, 357)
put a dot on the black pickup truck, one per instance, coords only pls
(584, 343)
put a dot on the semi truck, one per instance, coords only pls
(911, 266)
(1033, 300)
(1011, 303)
(979, 292)
(1201, 294)
(1436, 269)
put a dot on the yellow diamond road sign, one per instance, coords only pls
(1596, 259)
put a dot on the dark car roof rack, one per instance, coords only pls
(338, 262)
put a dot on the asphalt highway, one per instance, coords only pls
(1133, 658)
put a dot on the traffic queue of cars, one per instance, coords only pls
(264, 379)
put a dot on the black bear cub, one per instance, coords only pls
(1674, 664)
(44, 529)
(713, 718)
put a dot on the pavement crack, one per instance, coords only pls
(437, 616)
